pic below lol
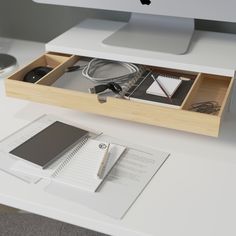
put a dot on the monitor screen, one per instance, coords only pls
(201, 9)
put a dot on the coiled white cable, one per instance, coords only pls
(96, 63)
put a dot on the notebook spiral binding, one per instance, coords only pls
(70, 156)
(126, 86)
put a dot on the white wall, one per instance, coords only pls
(29, 20)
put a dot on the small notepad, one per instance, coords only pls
(80, 170)
(169, 83)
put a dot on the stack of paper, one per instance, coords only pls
(128, 170)
(123, 185)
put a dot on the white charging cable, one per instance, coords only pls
(94, 64)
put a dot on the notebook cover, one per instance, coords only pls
(49, 144)
(139, 92)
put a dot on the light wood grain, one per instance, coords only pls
(192, 91)
(205, 87)
(117, 108)
(58, 71)
(45, 60)
(210, 88)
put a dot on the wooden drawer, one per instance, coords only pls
(206, 87)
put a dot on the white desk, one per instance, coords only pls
(193, 193)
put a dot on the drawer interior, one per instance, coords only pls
(209, 88)
(47, 60)
(71, 89)
(205, 88)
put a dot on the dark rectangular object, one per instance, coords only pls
(49, 144)
(138, 91)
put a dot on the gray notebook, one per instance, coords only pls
(49, 144)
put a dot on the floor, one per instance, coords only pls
(16, 223)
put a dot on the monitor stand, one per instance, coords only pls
(154, 33)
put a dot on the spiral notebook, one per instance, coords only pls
(80, 167)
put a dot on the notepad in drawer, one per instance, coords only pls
(79, 169)
(169, 83)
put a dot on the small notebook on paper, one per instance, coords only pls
(170, 84)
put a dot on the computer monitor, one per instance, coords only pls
(158, 25)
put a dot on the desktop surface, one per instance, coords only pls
(192, 194)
